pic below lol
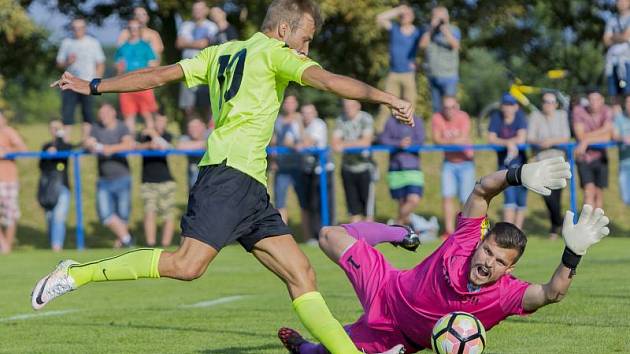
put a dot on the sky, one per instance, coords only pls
(48, 17)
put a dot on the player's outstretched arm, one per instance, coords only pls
(591, 227)
(540, 177)
(138, 80)
(350, 88)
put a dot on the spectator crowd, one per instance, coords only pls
(301, 130)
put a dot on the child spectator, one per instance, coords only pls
(133, 55)
(354, 128)
(405, 177)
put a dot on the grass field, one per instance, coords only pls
(150, 316)
(240, 305)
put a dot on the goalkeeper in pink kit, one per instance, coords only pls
(470, 271)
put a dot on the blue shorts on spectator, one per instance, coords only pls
(113, 197)
(515, 197)
(285, 179)
(441, 86)
(56, 219)
(458, 179)
(405, 182)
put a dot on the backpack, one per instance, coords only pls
(49, 188)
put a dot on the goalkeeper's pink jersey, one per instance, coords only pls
(420, 296)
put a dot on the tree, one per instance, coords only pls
(24, 43)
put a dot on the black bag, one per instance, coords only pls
(49, 189)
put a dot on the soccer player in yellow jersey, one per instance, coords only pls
(229, 202)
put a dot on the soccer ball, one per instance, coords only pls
(458, 333)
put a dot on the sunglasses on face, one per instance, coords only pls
(550, 101)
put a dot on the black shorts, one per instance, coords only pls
(227, 205)
(595, 172)
(359, 190)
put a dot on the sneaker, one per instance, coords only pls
(410, 242)
(55, 284)
(291, 339)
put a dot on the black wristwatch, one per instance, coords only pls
(94, 86)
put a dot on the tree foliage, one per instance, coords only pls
(526, 38)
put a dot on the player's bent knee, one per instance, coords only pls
(186, 270)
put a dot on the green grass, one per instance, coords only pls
(147, 317)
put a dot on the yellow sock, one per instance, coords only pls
(140, 263)
(316, 317)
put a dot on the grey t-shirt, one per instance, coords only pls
(87, 52)
(542, 128)
(354, 129)
(111, 167)
(618, 53)
(441, 59)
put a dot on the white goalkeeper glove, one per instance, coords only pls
(543, 176)
(591, 227)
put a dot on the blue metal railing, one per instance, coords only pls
(323, 156)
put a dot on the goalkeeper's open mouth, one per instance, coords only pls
(480, 274)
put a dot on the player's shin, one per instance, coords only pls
(317, 318)
(139, 263)
(374, 233)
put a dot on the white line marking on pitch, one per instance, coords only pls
(219, 301)
(35, 315)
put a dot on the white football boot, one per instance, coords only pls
(55, 284)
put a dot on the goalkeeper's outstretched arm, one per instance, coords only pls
(540, 177)
(591, 227)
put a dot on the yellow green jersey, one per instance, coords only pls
(247, 80)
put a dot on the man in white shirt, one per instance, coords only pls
(194, 36)
(83, 57)
(315, 135)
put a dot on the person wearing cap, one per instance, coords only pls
(508, 129)
(592, 124)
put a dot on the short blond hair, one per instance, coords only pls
(291, 12)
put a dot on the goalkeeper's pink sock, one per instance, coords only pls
(374, 233)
